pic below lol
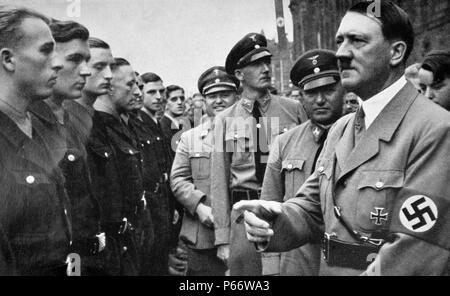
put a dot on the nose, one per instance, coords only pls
(108, 73)
(56, 62)
(320, 98)
(84, 71)
(429, 93)
(266, 67)
(343, 53)
(137, 92)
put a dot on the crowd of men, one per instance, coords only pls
(105, 171)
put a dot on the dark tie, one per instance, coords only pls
(261, 142)
(360, 125)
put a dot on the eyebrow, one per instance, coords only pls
(48, 46)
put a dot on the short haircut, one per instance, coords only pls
(438, 62)
(65, 31)
(172, 88)
(119, 62)
(97, 43)
(150, 77)
(11, 18)
(395, 22)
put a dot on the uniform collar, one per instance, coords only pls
(207, 126)
(263, 103)
(373, 106)
(174, 120)
(318, 130)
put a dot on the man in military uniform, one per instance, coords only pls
(97, 84)
(156, 168)
(34, 210)
(293, 155)
(190, 177)
(68, 149)
(238, 162)
(115, 163)
(379, 196)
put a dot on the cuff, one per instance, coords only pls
(222, 236)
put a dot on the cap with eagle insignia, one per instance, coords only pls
(216, 79)
(250, 48)
(315, 68)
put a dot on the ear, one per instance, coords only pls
(398, 51)
(239, 74)
(7, 59)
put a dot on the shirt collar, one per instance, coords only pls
(175, 121)
(89, 109)
(153, 117)
(373, 106)
(263, 103)
(102, 107)
(319, 130)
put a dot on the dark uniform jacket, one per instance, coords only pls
(69, 153)
(35, 210)
(393, 185)
(155, 167)
(115, 164)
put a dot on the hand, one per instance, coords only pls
(223, 253)
(257, 216)
(205, 216)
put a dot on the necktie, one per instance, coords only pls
(261, 142)
(360, 126)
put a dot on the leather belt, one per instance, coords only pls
(350, 255)
(244, 194)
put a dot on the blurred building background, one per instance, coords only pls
(316, 21)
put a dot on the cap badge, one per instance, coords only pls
(314, 59)
(216, 72)
(316, 70)
(257, 46)
(217, 80)
(253, 37)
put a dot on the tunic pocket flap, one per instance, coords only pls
(202, 154)
(292, 164)
(380, 180)
(237, 134)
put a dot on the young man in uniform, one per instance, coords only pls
(379, 196)
(34, 210)
(241, 134)
(115, 164)
(293, 155)
(190, 177)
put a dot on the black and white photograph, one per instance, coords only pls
(224, 144)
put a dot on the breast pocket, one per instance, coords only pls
(200, 165)
(376, 191)
(239, 143)
(294, 176)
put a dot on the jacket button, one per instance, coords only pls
(71, 157)
(106, 154)
(148, 142)
(289, 166)
(158, 138)
(379, 185)
(125, 249)
(130, 151)
(65, 212)
(197, 154)
(321, 169)
(30, 179)
(285, 129)
(258, 125)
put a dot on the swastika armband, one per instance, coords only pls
(423, 216)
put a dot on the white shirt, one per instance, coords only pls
(373, 106)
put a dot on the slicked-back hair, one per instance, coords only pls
(11, 18)
(119, 62)
(395, 22)
(438, 62)
(97, 43)
(150, 77)
(65, 31)
(172, 88)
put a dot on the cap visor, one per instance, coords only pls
(315, 83)
(217, 88)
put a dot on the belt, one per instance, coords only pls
(244, 194)
(350, 255)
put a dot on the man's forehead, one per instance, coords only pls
(35, 29)
(101, 54)
(154, 85)
(74, 46)
(357, 23)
